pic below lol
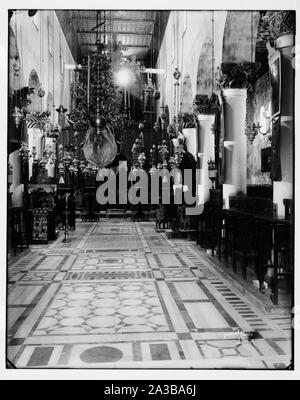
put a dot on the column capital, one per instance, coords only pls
(206, 105)
(281, 23)
(237, 76)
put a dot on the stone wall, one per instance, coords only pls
(32, 39)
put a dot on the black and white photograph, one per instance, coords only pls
(149, 187)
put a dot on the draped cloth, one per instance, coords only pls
(100, 149)
(275, 151)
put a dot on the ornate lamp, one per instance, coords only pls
(212, 172)
(251, 131)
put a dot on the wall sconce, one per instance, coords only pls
(263, 126)
(251, 131)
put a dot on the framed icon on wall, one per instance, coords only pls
(275, 81)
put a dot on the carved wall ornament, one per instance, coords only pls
(203, 104)
(237, 76)
(281, 23)
(187, 120)
(263, 30)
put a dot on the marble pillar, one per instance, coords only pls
(282, 29)
(235, 141)
(206, 145)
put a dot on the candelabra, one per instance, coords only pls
(253, 129)
(163, 151)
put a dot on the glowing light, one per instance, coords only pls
(123, 77)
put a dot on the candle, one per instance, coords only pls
(50, 169)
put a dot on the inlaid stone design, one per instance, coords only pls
(170, 318)
(113, 242)
(119, 307)
(101, 354)
(100, 275)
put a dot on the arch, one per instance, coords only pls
(36, 101)
(187, 94)
(239, 38)
(15, 72)
(204, 71)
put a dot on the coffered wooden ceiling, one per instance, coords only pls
(134, 28)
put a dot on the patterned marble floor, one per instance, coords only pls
(120, 295)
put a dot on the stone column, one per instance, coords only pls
(233, 79)
(235, 140)
(282, 30)
(206, 152)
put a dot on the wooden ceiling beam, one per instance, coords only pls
(116, 33)
(125, 45)
(131, 20)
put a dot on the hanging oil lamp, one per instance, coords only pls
(212, 172)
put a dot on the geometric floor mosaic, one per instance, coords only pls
(121, 295)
